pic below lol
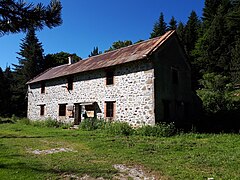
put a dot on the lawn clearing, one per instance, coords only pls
(77, 153)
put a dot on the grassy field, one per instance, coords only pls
(185, 156)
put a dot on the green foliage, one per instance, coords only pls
(5, 94)
(50, 123)
(210, 10)
(159, 130)
(95, 52)
(119, 44)
(123, 128)
(17, 16)
(57, 59)
(191, 32)
(235, 63)
(90, 124)
(172, 24)
(159, 28)
(216, 93)
(119, 128)
(31, 56)
(181, 31)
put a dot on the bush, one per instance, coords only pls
(159, 130)
(25, 121)
(119, 128)
(44, 123)
(91, 124)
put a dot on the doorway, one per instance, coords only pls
(77, 116)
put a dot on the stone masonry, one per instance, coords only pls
(132, 92)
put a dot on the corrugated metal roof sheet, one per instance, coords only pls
(127, 54)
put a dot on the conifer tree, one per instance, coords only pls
(17, 16)
(192, 29)
(181, 31)
(209, 11)
(159, 28)
(5, 92)
(172, 24)
(31, 60)
(95, 52)
(30, 65)
(235, 63)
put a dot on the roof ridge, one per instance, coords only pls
(115, 50)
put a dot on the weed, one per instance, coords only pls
(159, 130)
(119, 128)
(90, 124)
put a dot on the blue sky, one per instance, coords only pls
(90, 23)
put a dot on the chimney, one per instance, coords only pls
(70, 60)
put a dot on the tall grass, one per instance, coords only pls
(123, 128)
(51, 123)
(159, 130)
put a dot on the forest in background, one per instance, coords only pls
(211, 42)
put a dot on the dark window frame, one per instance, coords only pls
(70, 83)
(110, 109)
(43, 87)
(62, 109)
(42, 110)
(109, 77)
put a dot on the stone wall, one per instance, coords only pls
(132, 92)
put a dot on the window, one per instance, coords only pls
(174, 76)
(43, 87)
(109, 77)
(109, 109)
(70, 83)
(62, 109)
(42, 110)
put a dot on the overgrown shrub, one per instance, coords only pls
(52, 123)
(25, 121)
(6, 120)
(159, 130)
(90, 124)
(119, 128)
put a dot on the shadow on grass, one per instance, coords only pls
(39, 168)
(17, 136)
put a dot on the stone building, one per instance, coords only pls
(144, 83)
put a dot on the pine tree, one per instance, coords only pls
(31, 62)
(30, 65)
(191, 32)
(213, 49)
(172, 24)
(181, 32)
(95, 52)
(159, 28)
(17, 16)
(2, 92)
(235, 63)
(5, 92)
(209, 11)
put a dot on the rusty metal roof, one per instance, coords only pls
(127, 54)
